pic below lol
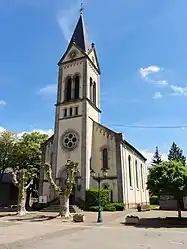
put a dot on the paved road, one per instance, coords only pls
(109, 235)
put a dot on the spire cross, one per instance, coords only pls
(82, 8)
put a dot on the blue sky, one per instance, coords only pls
(142, 49)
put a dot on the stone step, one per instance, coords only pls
(56, 208)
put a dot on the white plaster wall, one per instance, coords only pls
(134, 195)
(93, 58)
(75, 155)
(92, 113)
(89, 138)
(101, 139)
(46, 190)
(124, 174)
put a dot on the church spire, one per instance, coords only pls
(80, 37)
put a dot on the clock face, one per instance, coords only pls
(72, 54)
(70, 140)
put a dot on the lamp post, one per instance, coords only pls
(99, 179)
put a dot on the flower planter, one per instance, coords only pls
(78, 218)
(132, 220)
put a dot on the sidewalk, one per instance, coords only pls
(50, 217)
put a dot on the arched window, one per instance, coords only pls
(51, 158)
(136, 168)
(68, 86)
(105, 158)
(91, 92)
(105, 186)
(141, 167)
(76, 93)
(130, 172)
(94, 93)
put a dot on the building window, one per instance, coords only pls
(65, 113)
(70, 111)
(130, 172)
(105, 158)
(68, 87)
(136, 168)
(76, 93)
(105, 186)
(91, 89)
(141, 167)
(94, 93)
(76, 110)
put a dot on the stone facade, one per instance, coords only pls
(79, 135)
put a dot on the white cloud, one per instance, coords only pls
(178, 90)
(2, 129)
(157, 95)
(2, 102)
(161, 83)
(144, 72)
(66, 19)
(149, 155)
(48, 90)
(49, 132)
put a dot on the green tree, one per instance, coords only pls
(176, 154)
(26, 163)
(7, 141)
(157, 158)
(169, 178)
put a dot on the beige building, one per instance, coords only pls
(80, 136)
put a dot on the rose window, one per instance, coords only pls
(70, 140)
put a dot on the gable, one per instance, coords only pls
(73, 52)
(93, 57)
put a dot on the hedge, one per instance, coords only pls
(109, 207)
(92, 197)
(94, 208)
(119, 206)
(154, 200)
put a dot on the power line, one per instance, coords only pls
(150, 127)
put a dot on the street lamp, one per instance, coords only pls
(99, 179)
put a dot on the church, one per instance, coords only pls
(80, 136)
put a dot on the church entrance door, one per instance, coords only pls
(72, 197)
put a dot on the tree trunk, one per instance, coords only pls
(21, 201)
(64, 207)
(21, 210)
(179, 209)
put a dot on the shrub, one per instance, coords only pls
(154, 200)
(119, 206)
(92, 197)
(94, 209)
(109, 207)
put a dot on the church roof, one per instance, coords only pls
(124, 142)
(134, 149)
(80, 37)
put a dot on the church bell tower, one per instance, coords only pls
(78, 104)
